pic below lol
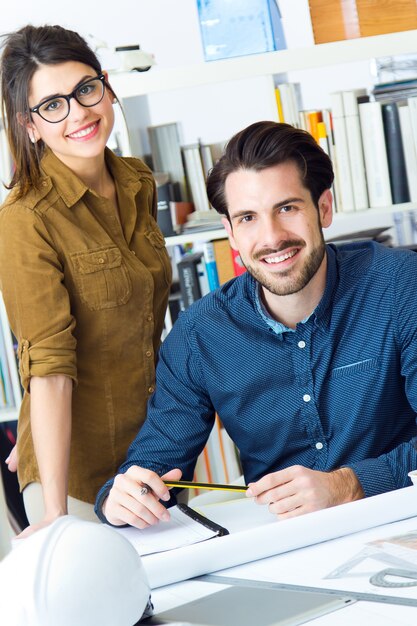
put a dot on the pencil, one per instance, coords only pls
(188, 484)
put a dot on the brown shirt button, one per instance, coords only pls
(151, 389)
(149, 318)
(148, 353)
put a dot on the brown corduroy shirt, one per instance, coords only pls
(86, 291)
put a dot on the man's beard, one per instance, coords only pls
(283, 284)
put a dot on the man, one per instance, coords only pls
(309, 358)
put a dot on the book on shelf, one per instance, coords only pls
(211, 265)
(165, 194)
(224, 260)
(375, 154)
(344, 173)
(195, 177)
(291, 103)
(355, 147)
(189, 278)
(165, 146)
(219, 461)
(238, 266)
(410, 152)
(395, 153)
(206, 155)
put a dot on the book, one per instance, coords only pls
(238, 266)
(189, 278)
(395, 153)
(211, 265)
(355, 148)
(410, 153)
(291, 102)
(206, 158)
(347, 199)
(184, 528)
(375, 154)
(224, 261)
(203, 277)
(166, 155)
(165, 195)
(196, 180)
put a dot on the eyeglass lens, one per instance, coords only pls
(88, 94)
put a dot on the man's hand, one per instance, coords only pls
(129, 502)
(297, 490)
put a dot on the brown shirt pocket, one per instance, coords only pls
(101, 278)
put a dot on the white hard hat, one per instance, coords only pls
(73, 573)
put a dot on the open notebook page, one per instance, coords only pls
(181, 530)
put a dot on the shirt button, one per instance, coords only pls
(151, 389)
(101, 260)
(148, 353)
(319, 445)
(133, 252)
(301, 344)
(149, 318)
(306, 397)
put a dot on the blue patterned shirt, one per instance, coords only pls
(340, 390)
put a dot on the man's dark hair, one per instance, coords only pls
(265, 144)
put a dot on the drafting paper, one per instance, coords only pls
(271, 539)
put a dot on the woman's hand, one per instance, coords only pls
(33, 528)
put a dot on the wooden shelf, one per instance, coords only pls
(128, 84)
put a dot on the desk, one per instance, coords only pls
(362, 613)
(309, 566)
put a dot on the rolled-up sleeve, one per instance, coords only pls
(36, 299)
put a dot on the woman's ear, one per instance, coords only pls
(109, 87)
(30, 127)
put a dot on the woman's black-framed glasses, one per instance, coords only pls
(57, 108)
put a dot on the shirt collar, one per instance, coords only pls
(71, 188)
(322, 313)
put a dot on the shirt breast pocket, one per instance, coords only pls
(101, 278)
(359, 367)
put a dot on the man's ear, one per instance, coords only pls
(326, 208)
(30, 127)
(226, 223)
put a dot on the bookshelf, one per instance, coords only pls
(130, 84)
(134, 88)
(343, 224)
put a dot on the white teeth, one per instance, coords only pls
(283, 257)
(83, 133)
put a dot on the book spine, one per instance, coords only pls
(238, 266)
(395, 153)
(355, 150)
(375, 153)
(195, 177)
(211, 266)
(410, 153)
(166, 155)
(224, 261)
(189, 281)
(347, 200)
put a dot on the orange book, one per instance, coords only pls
(224, 260)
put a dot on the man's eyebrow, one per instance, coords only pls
(278, 205)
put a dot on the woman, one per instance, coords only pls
(83, 270)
